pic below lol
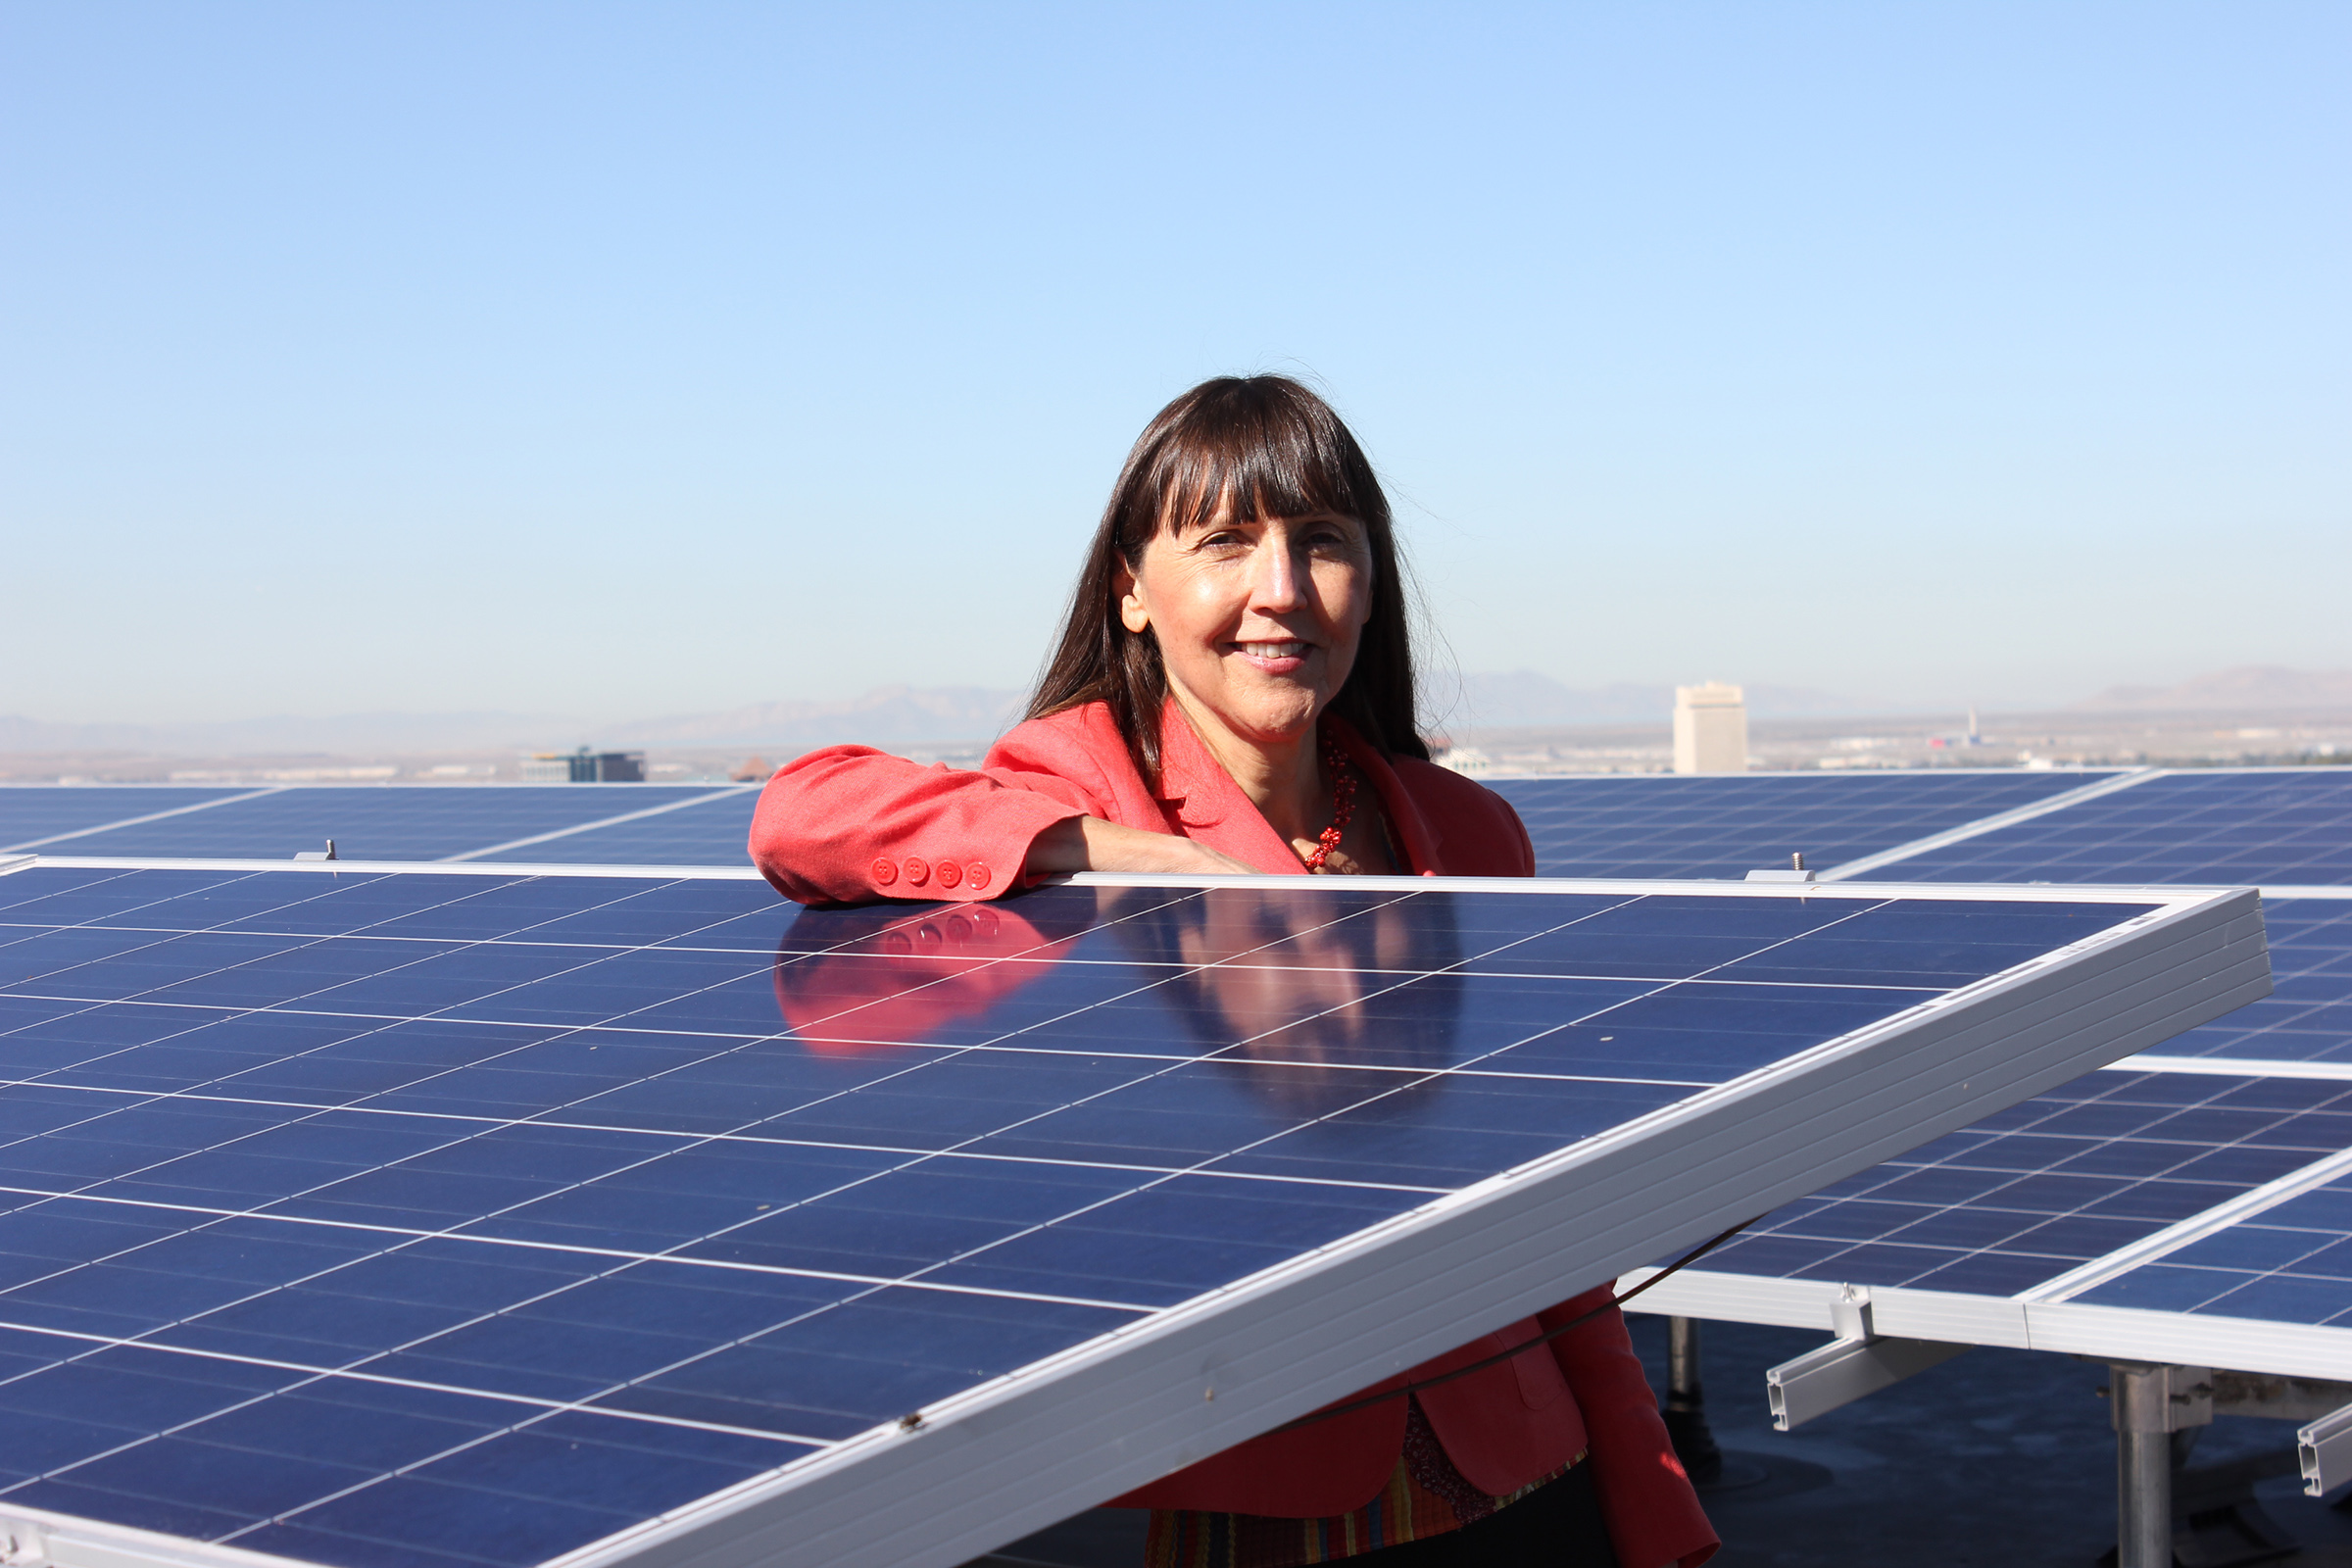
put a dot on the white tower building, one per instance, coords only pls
(1710, 729)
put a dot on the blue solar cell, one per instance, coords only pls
(62, 816)
(1715, 826)
(2024, 1196)
(314, 1177)
(381, 822)
(2262, 825)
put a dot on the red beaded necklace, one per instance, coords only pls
(1342, 804)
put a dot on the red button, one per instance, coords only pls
(886, 871)
(949, 873)
(976, 874)
(919, 870)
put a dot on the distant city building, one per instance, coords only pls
(1468, 760)
(584, 767)
(1710, 729)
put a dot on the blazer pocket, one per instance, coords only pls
(1541, 1385)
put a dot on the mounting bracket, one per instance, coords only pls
(23, 1543)
(2325, 1447)
(1859, 1363)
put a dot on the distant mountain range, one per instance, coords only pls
(899, 716)
(2249, 688)
(287, 736)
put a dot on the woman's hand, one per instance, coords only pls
(1090, 843)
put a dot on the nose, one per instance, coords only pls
(1275, 579)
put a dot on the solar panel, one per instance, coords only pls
(2307, 1018)
(1664, 826)
(390, 822)
(2291, 1263)
(1725, 826)
(35, 814)
(2027, 1204)
(714, 832)
(359, 1216)
(2259, 826)
(2111, 1217)
(2020, 1197)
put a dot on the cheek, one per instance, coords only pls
(1346, 592)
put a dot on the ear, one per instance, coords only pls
(1133, 614)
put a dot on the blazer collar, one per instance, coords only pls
(1200, 794)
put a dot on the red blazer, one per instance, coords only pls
(849, 824)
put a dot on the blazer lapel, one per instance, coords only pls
(1418, 837)
(1201, 799)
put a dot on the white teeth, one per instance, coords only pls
(1292, 650)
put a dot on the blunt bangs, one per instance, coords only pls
(1249, 459)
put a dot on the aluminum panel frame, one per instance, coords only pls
(2230, 1344)
(2070, 1328)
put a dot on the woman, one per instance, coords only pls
(1233, 693)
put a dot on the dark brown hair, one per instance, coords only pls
(1266, 447)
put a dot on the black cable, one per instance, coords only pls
(1521, 1349)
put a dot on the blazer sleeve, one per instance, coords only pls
(849, 824)
(1653, 1515)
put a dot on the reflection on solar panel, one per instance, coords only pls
(388, 822)
(35, 814)
(364, 1219)
(1718, 827)
(2272, 825)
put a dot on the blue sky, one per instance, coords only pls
(632, 359)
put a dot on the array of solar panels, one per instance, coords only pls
(2213, 1193)
(2281, 825)
(2219, 1194)
(2275, 826)
(431, 1216)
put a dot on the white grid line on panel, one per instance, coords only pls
(151, 817)
(2196, 1227)
(1804, 1227)
(2024, 813)
(2186, 824)
(590, 827)
(311, 1373)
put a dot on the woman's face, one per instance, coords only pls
(1257, 621)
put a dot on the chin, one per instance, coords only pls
(1277, 722)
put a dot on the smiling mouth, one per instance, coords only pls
(1285, 650)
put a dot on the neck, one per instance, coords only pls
(1283, 778)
